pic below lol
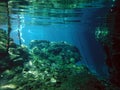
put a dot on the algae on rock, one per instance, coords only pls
(51, 66)
(16, 56)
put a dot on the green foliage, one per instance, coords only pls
(47, 68)
(3, 15)
(51, 66)
(16, 55)
(102, 34)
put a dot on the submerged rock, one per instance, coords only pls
(50, 66)
(16, 56)
(3, 43)
(53, 67)
(55, 50)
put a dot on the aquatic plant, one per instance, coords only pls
(49, 50)
(50, 65)
(53, 67)
(102, 34)
(16, 56)
(3, 53)
(3, 9)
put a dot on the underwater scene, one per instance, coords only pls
(59, 44)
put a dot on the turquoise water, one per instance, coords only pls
(72, 22)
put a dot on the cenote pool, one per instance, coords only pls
(59, 45)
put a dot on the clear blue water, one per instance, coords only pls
(74, 25)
